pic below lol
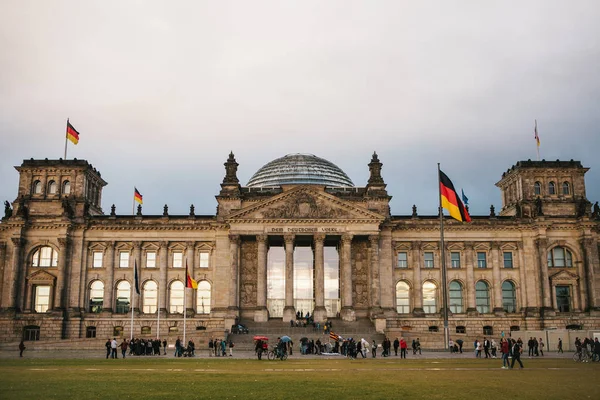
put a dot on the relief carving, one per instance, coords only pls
(248, 275)
(305, 205)
(360, 275)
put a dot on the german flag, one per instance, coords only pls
(72, 133)
(189, 281)
(137, 196)
(334, 336)
(451, 201)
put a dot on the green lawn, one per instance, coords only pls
(151, 378)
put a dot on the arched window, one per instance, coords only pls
(37, 187)
(402, 298)
(560, 257)
(456, 297)
(482, 297)
(566, 188)
(150, 299)
(537, 188)
(509, 297)
(45, 256)
(203, 298)
(123, 297)
(551, 188)
(177, 292)
(66, 187)
(429, 297)
(52, 187)
(96, 296)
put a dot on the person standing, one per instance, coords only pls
(541, 346)
(486, 347)
(21, 348)
(535, 347)
(258, 348)
(451, 345)
(418, 344)
(374, 349)
(231, 348)
(396, 345)
(164, 343)
(177, 348)
(403, 346)
(516, 354)
(504, 350)
(477, 349)
(494, 346)
(560, 350)
(113, 348)
(107, 345)
(124, 346)
(530, 347)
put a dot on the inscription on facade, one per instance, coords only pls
(295, 229)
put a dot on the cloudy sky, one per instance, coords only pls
(162, 91)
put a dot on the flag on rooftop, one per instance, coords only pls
(72, 133)
(450, 200)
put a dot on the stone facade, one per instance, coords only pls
(68, 269)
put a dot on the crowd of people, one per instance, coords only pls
(136, 347)
(218, 347)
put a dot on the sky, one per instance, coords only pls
(162, 91)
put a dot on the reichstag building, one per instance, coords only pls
(299, 236)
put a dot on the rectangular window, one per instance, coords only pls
(428, 257)
(97, 263)
(455, 259)
(42, 298)
(204, 259)
(123, 259)
(177, 259)
(508, 259)
(402, 260)
(563, 298)
(481, 260)
(151, 259)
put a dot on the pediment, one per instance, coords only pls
(564, 275)
(41, 277)
(304, 203)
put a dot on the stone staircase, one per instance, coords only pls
(274, 328)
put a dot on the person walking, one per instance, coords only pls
(231, 348)
(21, 348)
(164, 343)
(374, 349)
(541, 346)
(516, 354)
(486, 348)
(396, 345)
(418, 344)
(124, 346)
(107, 345)
(560, 350)
(505, 352)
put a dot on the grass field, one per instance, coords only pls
(150, 378)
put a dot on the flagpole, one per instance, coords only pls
(158, 320)
(444, 285)
(66, 135)
(133, 203)
(184, 306)
(132, 307)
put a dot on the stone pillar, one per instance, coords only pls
(289, 312)
(20, 273)
(261, 314)
(60, 298)
(347, 312)
(374, 267)
(137, 257)
(497, 288)
(319, 313)
(470, 266)
(163, 266)
(109, 287)
(189, 293)
(542, 246)
(417, 291)
(234, 248)
(522, 276)
(3, 269)
(589, 249)
(387, 260)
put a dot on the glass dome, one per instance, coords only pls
(303, 169)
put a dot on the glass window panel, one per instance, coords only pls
(455, 259)
(96, 296)
(455, 297)
(303, 279)
(429, 297)
(204, 259)
(176, 297)
(482, 297)
(402, 259)
(151, 259)
(509, 297)
(67, 187)
(481, 259)
(559, 257)
(203, 298)
(37, 187)
(331, 266)
(402, 298)
(52, 187)
(177, 259)
(508, 259)
(97, 257)
(123, 297)
(150, 298)
(123, 259)
(276, 281)
(537, 188)
(42, 298)
(428, 258)
(563, 298)
(566, 189)
(551, 188)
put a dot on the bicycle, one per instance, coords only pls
(277, 354)
(581, 356)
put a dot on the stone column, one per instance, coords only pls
(497, 288)
(189, 293)
(20, 272)
(589, 249)
(261, 314)
(60, 298)
(137, 257)
(374, 267)
(289, 312)
(234, 245)
(163, 266)
(109, 262)
(542, 246)
(417, 292)
(347, 312)
(522, 276)
(470, 266)
(320, 312)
